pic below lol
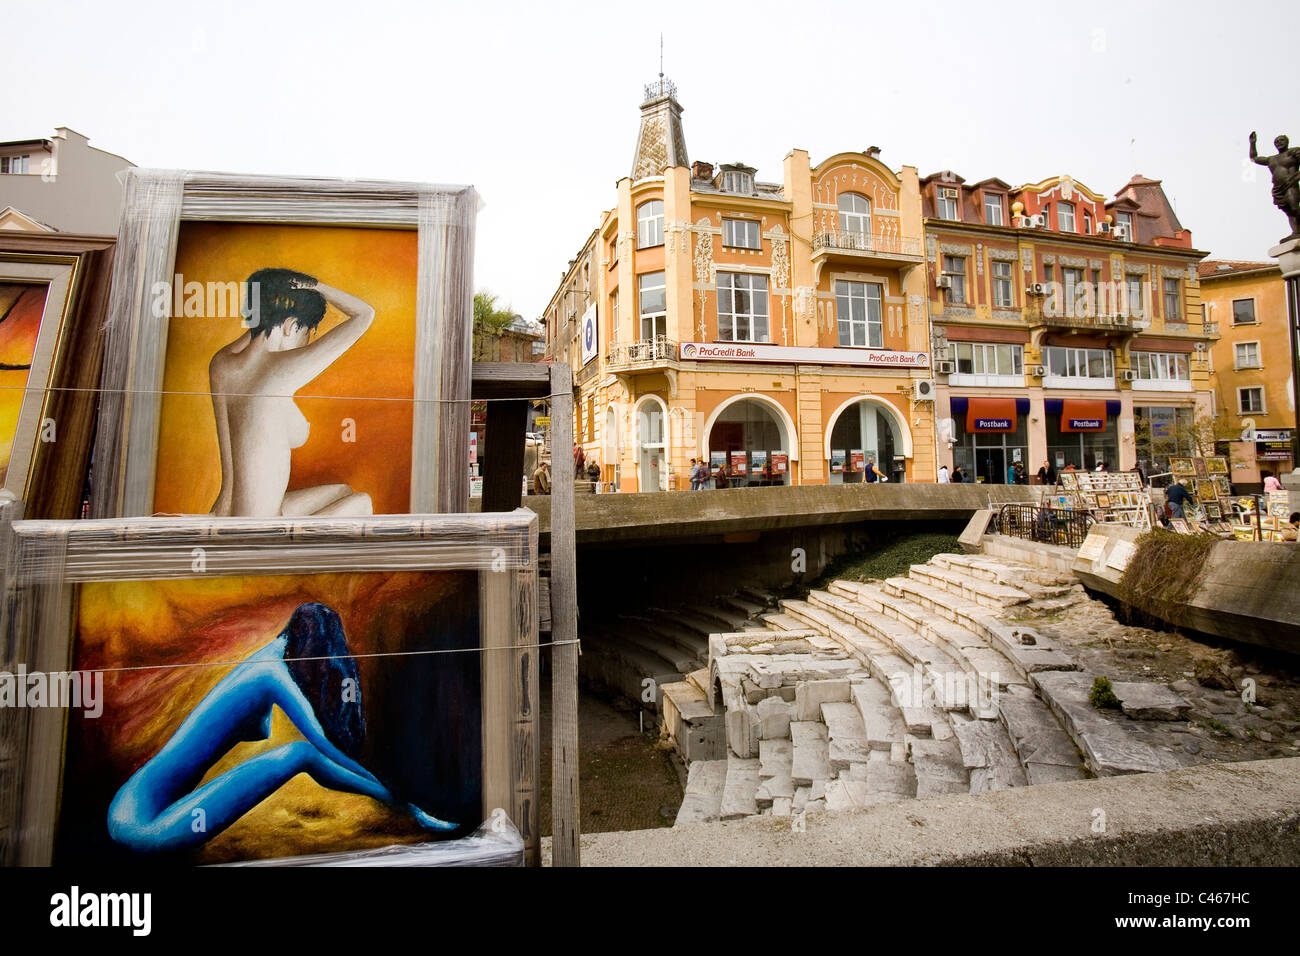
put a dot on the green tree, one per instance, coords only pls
(489, 323)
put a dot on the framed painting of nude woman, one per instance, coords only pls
(256, 689)
(287, 347)
(53, 290)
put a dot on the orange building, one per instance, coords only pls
(777, 329)
(1252, 363)
(1068, 326)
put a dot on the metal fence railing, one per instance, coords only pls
(1063, 526)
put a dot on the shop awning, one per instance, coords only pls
(991, 415)
(1083, 415)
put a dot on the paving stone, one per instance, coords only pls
(938, 768)
(1036, 734)
(702, 801)
(1148, 701)
(811, 759)
(847, 735)
(1108, 747)
(881, 720)
(774, 716)
(739, 789)
(810, 695)
(775, 756)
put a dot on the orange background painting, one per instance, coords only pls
(21, 308)
(378, 266)
(143, 624)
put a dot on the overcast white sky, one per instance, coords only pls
(536, 103)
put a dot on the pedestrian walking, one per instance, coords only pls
(873, 473)
(944, 477)
(720, 478)
(1177, 497)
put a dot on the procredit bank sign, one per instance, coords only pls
(746, 352)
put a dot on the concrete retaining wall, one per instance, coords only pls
(1234, 814)
(1249, 591)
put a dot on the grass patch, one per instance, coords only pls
(890, 559)
(1162, 576)
(1103, 695)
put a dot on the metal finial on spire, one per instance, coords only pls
(661, 58)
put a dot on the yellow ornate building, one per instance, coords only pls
(1252, 363)
(776, 329)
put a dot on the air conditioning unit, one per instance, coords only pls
(944, 368)
(1038, 221)
(949, 193)
(1037, 288)
(1129, 375)
(1121, 232)
(1103, 228)
(923, 390)
(1024, 222)
(943, 282)
(1038, 371)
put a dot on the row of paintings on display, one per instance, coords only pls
(1198, 467)
(252, 351)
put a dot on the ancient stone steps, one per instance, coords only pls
(988, 593)
(729, 619)
(1046, 751)
(697, 731)
(621, 667)
(1000, 572)
(674, 656)
(702, 801)
(989, 755)
(748, 608)
(739, 788)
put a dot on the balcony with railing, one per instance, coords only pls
(647, 353)
(865, 246)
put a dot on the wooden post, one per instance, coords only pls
(565, 803)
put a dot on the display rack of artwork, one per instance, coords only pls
(1112, 497)
(1214, 509)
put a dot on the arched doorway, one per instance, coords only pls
(753, 427)
(873, 428)
(652, 444)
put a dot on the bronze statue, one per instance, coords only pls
(1285, 167)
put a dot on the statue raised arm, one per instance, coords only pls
(1285, 167)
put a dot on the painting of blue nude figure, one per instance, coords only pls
(306, 672)
(272, 716)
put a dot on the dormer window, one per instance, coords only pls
(948, 203)
(737, 181)
(1087, 222)
(1065, 217)
(993, 209)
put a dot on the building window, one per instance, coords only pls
(742, 307)
(654, 307)
(978, 358)
(1162, 366)
(15, 165)
(948, 203)
(740, 234)
(992, 209)
(857, 306)
(1133, 303)
(1003, 291)
(954, 267)
(1125, 219)
(1247, 355)
(855, 214)
(1046, 212)
(1172, 298)
(650, 224)
(613, 252)
(1087, 222)
(613, 317)
(1065, 216)
(1243, 312)
(1048, 272)
(737, 182)
(1073, 279)
(1250, 400)
(1078, 363)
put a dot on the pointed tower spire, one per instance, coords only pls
(661, 141)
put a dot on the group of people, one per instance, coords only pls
(701, 475)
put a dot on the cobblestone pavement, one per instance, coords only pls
(625, 783)
(1222, 725)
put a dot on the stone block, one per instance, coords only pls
(774, 716)
(811, 760)
(848, 736)
(810, 695)
(1148, 701)
(739, 789)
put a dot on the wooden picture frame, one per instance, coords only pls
(1201, 470)
(1103, 500)
(1212, 511)
(1069, 479)
(55, 562)
(1216, 465)
(1182, 467)
(159, 204)
(1206, 489)
(55, 420)
(1180, 525)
